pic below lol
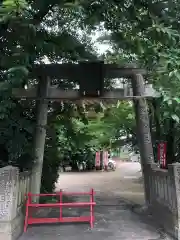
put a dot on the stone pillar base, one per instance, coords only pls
(12, 230)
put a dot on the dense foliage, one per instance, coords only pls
(30, 32)
(147, 33)
(141, 32)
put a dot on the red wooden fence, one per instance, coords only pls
(30, 220)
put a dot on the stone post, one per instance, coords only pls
(143, 130)
(175, 168)
(40, 135)
(10, 227)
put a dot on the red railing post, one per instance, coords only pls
(91, 208)
(60, 201)
(30, 212)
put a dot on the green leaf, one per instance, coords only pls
(166, 114)
(21, 69)
(169, 102)
(175, 118)
(177, 74)
(118, 104)
(177, 99)
(166, 98)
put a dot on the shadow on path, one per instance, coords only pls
(114, 221)
(114, 213)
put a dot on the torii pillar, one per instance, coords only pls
(143, 130)
(40, 135)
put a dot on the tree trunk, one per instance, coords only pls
(40, 136)
(143, 130)
(157, 133)
(170, 137)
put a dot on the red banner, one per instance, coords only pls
(97, 159)
(105, 158)
(162, 147)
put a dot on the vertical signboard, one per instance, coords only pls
(105, 159)
(97, 160)
(162, 147)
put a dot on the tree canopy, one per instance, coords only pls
(144, 33)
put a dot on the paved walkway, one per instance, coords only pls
(115, 219)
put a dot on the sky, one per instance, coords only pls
(101, 47)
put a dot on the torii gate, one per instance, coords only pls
(90, 76)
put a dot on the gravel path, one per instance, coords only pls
(115, 220)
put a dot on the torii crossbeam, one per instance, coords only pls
(84, 74)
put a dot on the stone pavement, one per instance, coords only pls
(114, 215)
(115, 222)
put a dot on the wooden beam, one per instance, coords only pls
(73, 71)
(57, 94)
